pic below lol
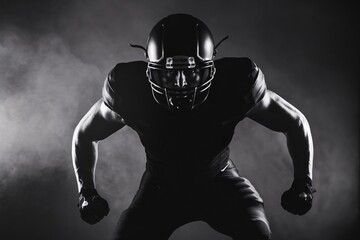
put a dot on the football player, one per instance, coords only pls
(184, 105)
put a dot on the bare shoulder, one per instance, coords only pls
(109, 114)
(268, 98)
(98, 123)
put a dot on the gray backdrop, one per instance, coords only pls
(54, 56)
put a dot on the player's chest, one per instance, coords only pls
(199, 124)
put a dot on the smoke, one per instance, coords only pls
(40, 84)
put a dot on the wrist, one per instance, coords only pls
(304, 180)
(88, 192)
(303, 184)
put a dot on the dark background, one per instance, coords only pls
(54, 56)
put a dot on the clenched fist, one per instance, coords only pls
(92, 207)
(298, 199)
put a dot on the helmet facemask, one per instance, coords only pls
(181, 84)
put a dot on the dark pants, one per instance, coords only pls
(227, 202)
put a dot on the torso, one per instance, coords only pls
(176, 139)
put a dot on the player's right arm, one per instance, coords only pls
(97, 124)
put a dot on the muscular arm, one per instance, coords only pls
(277, 114)
(97, 124)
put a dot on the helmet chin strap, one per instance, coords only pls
(193, 99)
(170, 104)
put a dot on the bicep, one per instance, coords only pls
(276, 113)
(98, 123)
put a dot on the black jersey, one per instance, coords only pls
(192, 139)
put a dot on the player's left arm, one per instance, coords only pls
(277, 114)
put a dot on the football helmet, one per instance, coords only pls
(180, 51)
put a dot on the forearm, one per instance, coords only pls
(279, 115)
(300, 145)
(91, 205)
(84, 156)
(97, 124)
